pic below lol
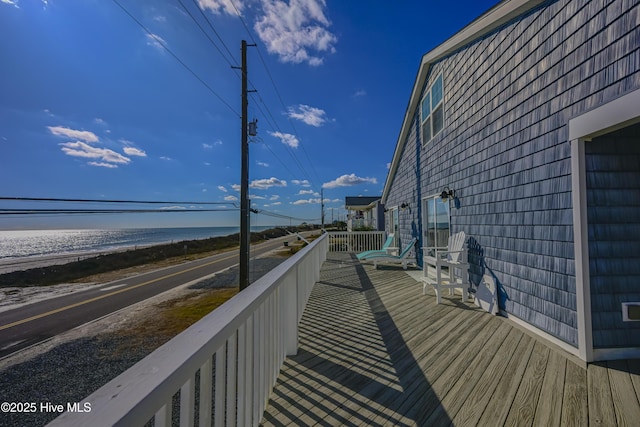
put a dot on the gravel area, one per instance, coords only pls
(72, 366)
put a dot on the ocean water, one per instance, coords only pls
(32, 243)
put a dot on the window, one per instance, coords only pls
(436, 224)
(432, 111)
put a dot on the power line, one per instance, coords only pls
(277, 215)
(165, 47)
(50, 199)
(232, 64)
(275, 87)
(102, 211)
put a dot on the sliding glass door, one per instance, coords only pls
(435, 225)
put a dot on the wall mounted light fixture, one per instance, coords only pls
(404, 206)
(447, 194)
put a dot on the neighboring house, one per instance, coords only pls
(364, 213)
(529, 120)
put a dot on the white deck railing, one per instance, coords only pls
(355, 241)
(224, 366)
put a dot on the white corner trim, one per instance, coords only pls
(581, 250)
(614, 115)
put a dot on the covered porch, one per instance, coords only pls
(373, 350)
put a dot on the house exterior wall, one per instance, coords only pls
(613, 211)
(405, 189)
(504, 148)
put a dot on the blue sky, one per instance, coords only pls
(94, 105)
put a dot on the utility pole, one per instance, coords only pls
(245, 233)
(322, 206)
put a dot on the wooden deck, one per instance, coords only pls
(374, 351)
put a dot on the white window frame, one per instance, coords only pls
(432, 109)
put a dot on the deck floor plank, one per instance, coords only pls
(549, 407)
(574, 401)
(375, 351)
(523, 408)
(625, 400)
(601, 411)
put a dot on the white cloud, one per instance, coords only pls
(348, 180)
(296, 31)
(311, 192)
(306, 202)
(303, 183)
(309, 115)
(84, 150)
(276, 203)
(256, 197)
(103, 165)
(221, 188)
(266, 165)
(314, 201)
(99, 121)
(230, 7)
(207, 146)
(359, 93)
(230, 198)
(156, 41)
(388, 165)
(160, 18)
(10, 2)
(263, 184)
(235, 187)
(132, 151)
(168, 159)
(82, 135)
(286, 139)
(274, 197)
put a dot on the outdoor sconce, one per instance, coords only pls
(404, 206)
(447, 194)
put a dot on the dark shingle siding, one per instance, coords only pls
(508, 98)
(613, 212)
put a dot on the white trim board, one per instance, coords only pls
(614, 115)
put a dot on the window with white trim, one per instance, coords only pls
(432, 107)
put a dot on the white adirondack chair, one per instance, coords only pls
(455, 259)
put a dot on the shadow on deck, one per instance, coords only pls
(375, 351)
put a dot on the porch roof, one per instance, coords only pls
(360, 203)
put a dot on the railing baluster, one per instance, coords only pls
(242, 375)
(220, 392)
(231, 380)
(206, 385)
(187, 403)
(163, 416)
(249, 379)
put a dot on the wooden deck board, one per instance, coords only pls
(625, 400)
(524, 405)
(601, 410)
(574, 401)
(549, 407)
(374, 351)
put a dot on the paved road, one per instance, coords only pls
(30, 324)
